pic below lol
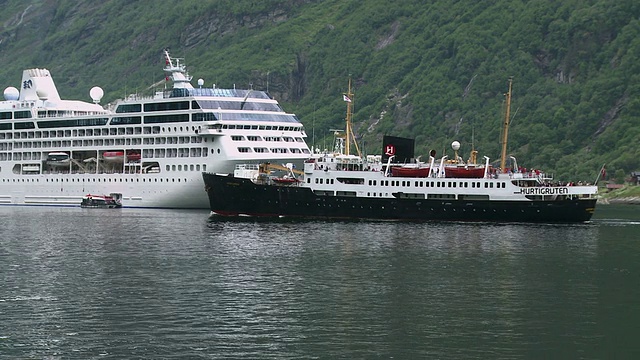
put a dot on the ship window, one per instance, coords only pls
(126, 120)
(128, 108)
(474, 197)
(5, 115)
(166, 119)
(441, 196)
(204, 117)
(24, 125)
(22, 114)
(166, 106)
(486, 185)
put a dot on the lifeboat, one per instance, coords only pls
(58, 159)
(405, 171)
(464, 172)
(113, 156)
(285, 180)
(133, 156)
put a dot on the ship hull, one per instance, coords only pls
(164, 190)
(231, 196)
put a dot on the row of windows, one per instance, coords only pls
(147, 130)
(140, 130)
(266, 138)
(147, 154)
(108, 180)
(418, 183)
(199, 104)
(237, 105)
(321, 181)
(175, 152)
(439, 184)
(149, 119)
(263, 150)
(22, 114)
(255, 127)
(100, 142)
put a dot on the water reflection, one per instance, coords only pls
(159, 284)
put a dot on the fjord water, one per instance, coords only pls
(136, 284)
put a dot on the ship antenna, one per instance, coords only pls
(505, 132)
(349, 135)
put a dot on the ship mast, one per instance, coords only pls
(349, 135)
(505, 131)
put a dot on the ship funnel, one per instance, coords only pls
(36, 83)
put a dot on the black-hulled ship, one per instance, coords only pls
(341, 186)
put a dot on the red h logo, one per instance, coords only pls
(390, 150)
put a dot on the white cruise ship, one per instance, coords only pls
(150, 150)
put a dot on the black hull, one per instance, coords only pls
(232, 196)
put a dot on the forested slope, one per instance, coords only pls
(437, 72)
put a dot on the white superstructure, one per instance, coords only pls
(151, 149)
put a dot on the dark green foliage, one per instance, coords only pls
(436, 71)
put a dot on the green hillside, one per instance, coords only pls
(437, 72)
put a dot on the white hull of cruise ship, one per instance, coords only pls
(151, 190)
(151, 150)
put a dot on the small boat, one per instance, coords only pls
(58, 159)
(111, 201)
(113, 156)
(410, 171)
(133, 156)
(465, 172)
(285, 180)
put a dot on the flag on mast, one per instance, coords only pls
(346, 98)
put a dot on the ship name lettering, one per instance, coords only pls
(544, 191)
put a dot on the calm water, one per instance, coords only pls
(138, 284)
